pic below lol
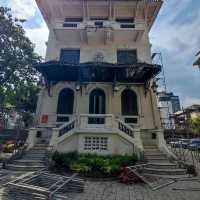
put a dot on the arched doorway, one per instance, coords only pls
(65, 104)
(97, 105)
(129, 105)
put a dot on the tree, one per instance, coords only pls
(18, 78)
(195, 125)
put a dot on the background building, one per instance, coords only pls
(168, 104)
(183, 118)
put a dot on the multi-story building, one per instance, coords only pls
(98, 74)
(168, 104)
(183, 119)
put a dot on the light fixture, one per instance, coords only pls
(116, 89)
(78, 87)
(154, 87)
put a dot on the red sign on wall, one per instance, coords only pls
(44, 119)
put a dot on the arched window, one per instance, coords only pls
(65, 102)
(97, 102)
(129, 102)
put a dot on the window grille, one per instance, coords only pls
(96, 144)
(71, 56)
(126, 56)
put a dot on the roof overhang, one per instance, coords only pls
(143, 10)
(98, 72)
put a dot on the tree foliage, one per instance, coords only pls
(195, 124)
(18, 78)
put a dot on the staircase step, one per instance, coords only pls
(24, 167)
(156, 157)
(158, 160)
(28, 162)
(40, 146)
(35, 153)
(162, 165)
(164, 171)
(36, 159)
(38, 149)
(167, 176)
(33, 157)
(150, 147)
(153, 153)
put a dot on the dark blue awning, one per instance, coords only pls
(98, 72)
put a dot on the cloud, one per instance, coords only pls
(189, 101)
(39, 36)
(176, 35)
(35, 27)
(23, 9)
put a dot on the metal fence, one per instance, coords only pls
(186, 155)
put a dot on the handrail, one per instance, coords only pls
(65, 128)
(125, 128)
(96, 121)
(96, 115)
(48, 154)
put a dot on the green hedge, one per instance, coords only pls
(92, 165)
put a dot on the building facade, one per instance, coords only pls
(168, 104)
(97, 96)
(183, 119)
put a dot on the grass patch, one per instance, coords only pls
(92, 165)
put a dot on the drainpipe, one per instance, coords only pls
(152, 108)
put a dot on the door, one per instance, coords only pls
(97, 106)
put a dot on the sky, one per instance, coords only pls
(175, 33)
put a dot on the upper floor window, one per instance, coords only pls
(71, 56)
(125, 20)
(98, 24)
(73, 19)
(99, 18)
(126, 56)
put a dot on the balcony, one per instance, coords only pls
(92, 72)
(98, 31)
(146, 10)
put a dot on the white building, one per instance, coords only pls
(168, 104)
(98, 73)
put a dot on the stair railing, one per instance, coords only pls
(122, 126)
(48, 155)
(62, 130)
(134, 134)
(65, 128)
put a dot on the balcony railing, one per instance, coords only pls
(54, 120)
(88, 121)
(137, 25)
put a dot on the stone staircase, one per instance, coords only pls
(32, 160)
(158, 164)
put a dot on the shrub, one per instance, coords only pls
(124, 160)
(80, 168)
(93, 165)
(115, 169)
(9, 148)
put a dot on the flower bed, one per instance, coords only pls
(92, 165)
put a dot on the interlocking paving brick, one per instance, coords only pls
(113, 190)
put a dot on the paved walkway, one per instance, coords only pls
(116, 191)
(112, 190)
